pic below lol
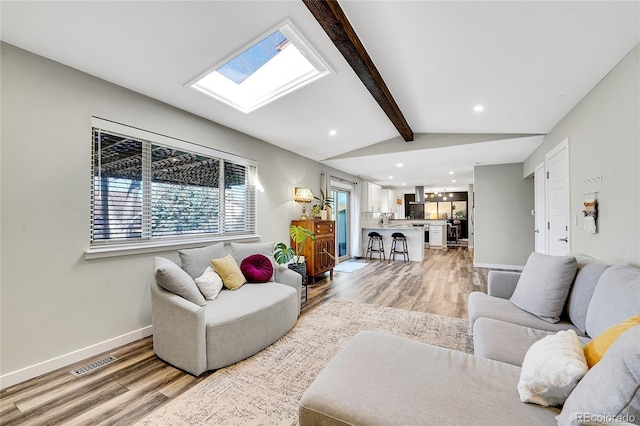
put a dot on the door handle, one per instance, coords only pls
(537, 231)
(565, 239)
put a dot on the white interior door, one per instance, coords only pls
(557, 190)
(540, 210)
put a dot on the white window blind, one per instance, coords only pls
(239, 198)
(143, 190)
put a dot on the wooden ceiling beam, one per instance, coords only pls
(335, 23)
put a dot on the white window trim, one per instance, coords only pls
(137, 133)
(294, 35)
(117, 249)
(156, 246)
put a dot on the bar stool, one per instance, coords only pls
(399, 237)
(376, 245)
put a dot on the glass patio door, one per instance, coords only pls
(342, 215)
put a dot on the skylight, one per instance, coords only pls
(270, 67)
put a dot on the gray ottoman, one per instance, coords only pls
(379, 379)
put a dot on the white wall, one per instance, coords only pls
(53, 300)
(503, 224)
(604, 140)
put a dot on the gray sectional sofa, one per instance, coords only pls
(197, 335)
(600, 296)
(380, 379)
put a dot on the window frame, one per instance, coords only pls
(296, 38)
(122, 247)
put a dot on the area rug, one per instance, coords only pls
(265, 389)
(349, 266)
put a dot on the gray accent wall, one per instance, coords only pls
(604, 140)
(55, 302)
(503, 224)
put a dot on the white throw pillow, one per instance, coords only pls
(209, 283)
(552, 367)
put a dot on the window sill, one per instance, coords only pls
(99, 252)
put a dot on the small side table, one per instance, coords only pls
(305, 284)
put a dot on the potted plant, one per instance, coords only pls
(454, 214)
(315, 211)
(283, 254)
(324, 204)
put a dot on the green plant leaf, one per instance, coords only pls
(282, 253)
(299, 235)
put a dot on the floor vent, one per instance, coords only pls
(86, 369)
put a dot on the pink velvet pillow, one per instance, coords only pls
(256, 268)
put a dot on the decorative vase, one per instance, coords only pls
(323, 214)
(300, 268)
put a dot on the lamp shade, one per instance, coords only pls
(303, 195)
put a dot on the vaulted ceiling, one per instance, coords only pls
(528, 63)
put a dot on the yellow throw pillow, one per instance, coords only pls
(595, 349)
(229, 271)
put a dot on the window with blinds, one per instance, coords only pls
(143, 190)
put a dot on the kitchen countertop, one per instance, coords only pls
(410, 222)
(392, 227)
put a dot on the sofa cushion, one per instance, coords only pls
(581, 292)
(379, 379)
(229, 271)
(256, 268)
(544, 285)
(175, 280)
(209, 283)
(196, 260)
(503, 341)
(612, 387)
(551, 369)
(240, 251)
(242, 322)
(483, 305)
(595, 350)
(616, 298)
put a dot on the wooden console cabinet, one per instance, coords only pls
(317, 259)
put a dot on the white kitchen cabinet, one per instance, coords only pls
(436, 236)
(371, 197)
(387, 201)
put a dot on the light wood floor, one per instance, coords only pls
(138, 383)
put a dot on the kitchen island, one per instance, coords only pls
(415, 240)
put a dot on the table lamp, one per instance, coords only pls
(303, 195)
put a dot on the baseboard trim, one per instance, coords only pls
(497, 266)
(48, 366)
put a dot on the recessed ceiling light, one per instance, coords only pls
(404, 184)
(451, 172)
(453, 180)
(390, 177)
(332, 132)
(478, 108)
(399, 165)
